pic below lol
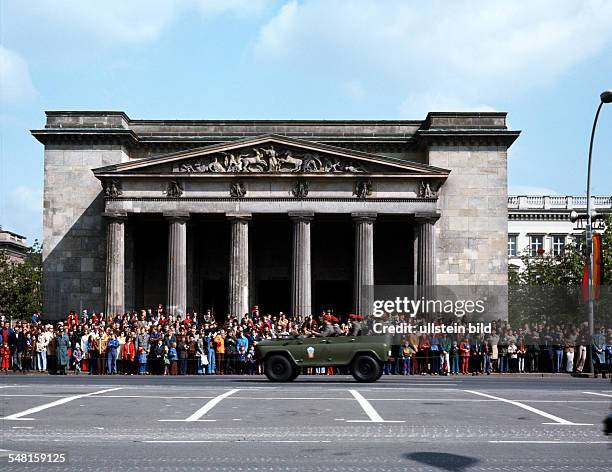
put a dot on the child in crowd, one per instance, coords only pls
(407, 352)
(242, 359)
(5, 356)
(251, 362)
(173, 357)
(77, 356)
(513, 357)
(142, 361)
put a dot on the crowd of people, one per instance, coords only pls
(151, 342)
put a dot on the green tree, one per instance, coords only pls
(20, 284)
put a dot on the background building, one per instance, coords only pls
(13, 245)
(541, 224)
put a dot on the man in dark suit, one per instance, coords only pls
(17, 345)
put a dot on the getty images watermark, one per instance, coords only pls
(401, 307)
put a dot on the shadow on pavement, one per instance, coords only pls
(443, 460)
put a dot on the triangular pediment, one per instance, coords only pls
(272, 154)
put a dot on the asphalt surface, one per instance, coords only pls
(313, 424)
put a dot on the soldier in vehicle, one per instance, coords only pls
(328, 329)
(356, 324)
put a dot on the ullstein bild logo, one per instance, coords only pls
(432, 328)
(414, 308)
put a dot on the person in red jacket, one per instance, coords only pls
(5, 356)
(128, 354)
(72, 320)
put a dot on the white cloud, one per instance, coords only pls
(277, 37)
(460, 48)
(235, 7)
(131, 21)
(112, 20)
(15, 83)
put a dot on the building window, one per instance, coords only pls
(512, 252)
(536, 245)
(558, 244)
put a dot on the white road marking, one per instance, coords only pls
(234, 441)
(182, 421)
(550, 442)
(207, 407)
(556, 419)
(178, 441)
(369, 410)
(600, 394)
(23, 427)
(36, 409)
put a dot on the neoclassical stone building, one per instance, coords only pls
(295, 216)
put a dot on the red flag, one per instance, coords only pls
(596, 272)
(596, 265)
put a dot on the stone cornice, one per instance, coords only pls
(544, 215)
(86, 136)
(274, 199)
(282, 175)
(466, 137)
(439, 128)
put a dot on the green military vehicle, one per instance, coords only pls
(283, 358)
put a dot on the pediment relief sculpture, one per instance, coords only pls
(237, 190)
(268, 160)
(425, 190)
(363, 189)
(112, 188)
(174, 189)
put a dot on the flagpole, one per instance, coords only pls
(605, 97)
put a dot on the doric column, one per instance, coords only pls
(426, 257)
(239, 265)
(364, 262)
(301, 295)
(177, 263)
(115, 263)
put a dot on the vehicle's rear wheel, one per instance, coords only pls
(365, 368)
(278, 368)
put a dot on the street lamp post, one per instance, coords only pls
(606, 97)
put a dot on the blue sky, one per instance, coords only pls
(544, 62)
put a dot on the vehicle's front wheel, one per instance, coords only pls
(278, 368)
(295, 373)
(365, 368)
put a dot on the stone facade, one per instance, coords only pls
(442, 179)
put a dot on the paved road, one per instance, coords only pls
(314, 424)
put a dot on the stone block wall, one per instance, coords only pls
(74, 231)
(472, 233)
